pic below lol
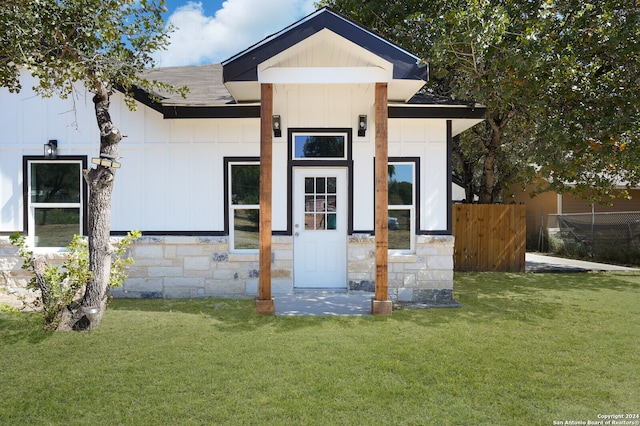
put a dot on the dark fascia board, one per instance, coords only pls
(253, 111)
(244, 65)
(446, 112)
(142, 96)
(192, 111)
(227, 111)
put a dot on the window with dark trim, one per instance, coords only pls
(55, 201)
(244, 205)
(328, 146)
(402, 205)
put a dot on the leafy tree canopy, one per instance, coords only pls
(103, 43)
(559, 79)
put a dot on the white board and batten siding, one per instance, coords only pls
(338, 106)
(426, 139)
(172, 176)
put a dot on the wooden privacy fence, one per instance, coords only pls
(489, 237)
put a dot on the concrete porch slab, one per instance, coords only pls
(323, 303)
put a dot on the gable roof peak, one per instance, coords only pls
(243, 67)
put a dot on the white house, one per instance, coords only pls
(318, 111)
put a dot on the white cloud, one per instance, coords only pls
(201, 39)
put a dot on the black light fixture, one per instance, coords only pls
(362, 125)
(277, 130)
(106, 160)
(51, 149)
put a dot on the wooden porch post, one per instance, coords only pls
(381, 305)
(265, 304)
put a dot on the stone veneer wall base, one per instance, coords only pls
(189, 267)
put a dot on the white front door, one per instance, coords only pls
(320, 228)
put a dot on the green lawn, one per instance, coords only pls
(524, 349)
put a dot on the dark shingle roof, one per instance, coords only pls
(209, 98)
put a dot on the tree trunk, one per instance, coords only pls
(496, 124)
(467, 173)
(488, 174)
(100, 182)
(465, 167)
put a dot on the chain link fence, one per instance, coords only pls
(610, 236)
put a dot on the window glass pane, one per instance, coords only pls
(331, 203)
(309, 223)
(309, 205)
(319, 146)
(56, 227)
(246, 229)
(245, 184)
(331, 221)
(317, 201)
(399, 230)
(308, 185)
(401, 184)
(331, 185)
(55, 182)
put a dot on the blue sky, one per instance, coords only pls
(210, 31)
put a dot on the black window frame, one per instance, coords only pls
(228, 219)
(26, 196)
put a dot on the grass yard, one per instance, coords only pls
(525, 349)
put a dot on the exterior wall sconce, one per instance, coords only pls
(106, 160)
(51, 149)
(277, 130)
(362, 125)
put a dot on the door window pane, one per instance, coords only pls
(331, 203)
(308, 185)
(309, 223)
(331, 221)
(319, 207)
(331, 185)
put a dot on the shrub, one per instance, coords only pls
(60, 286)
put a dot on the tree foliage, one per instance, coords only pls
(59, 285)
(558, 77)
(103, 45)
(590, 131)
